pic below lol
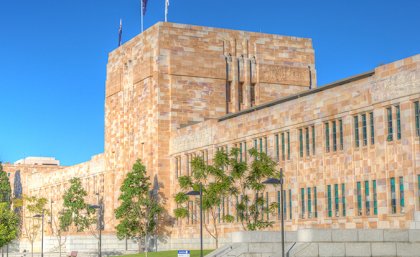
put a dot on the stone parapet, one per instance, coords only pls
(323, 242)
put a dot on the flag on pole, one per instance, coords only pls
(144, 6)
(166, 10)
(120, 33)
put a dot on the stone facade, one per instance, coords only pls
(176, 91)
(310, 166)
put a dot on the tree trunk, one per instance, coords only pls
(139, 244)
(146, 248)
(59, 243)
(32, 248)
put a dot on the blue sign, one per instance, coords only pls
(183, 253)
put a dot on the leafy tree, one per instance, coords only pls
(57, 233)
(216, 185)
(76, 213)
(5, 189)
(8, 224)
(139, 206)
(8, 219)
(249, 180)
(32, 206)
(229, 177)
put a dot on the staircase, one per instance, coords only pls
(325, 242)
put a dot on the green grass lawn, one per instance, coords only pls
(194, 253)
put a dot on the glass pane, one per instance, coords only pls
(372, 129)
(389, 116)
(356, 130)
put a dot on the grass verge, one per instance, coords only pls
(194, 253)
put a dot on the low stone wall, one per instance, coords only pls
(328, 242)
(111, 245)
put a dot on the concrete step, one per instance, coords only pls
(417, 216)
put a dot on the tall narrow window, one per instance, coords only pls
(223, 207)
(336, 200)
(356, 131)
(277, 147)
(417, 117)
(307, 141)
(309, 203)
(389, 117)
(284, 204)
(240, 152)
(418, 187)
(300, 143)
(237, 204)
(228, 98)
(327, 137)
(329, 201)
(313, 140)
(367, 197)
(315, 203)
(219, 213)
(334, 135)
(397, 110)
(375, 198)
(265, 145)
(283, 147)
(256, 144)
(245, 152)
(402, 202)
(261, 145)
(372, 128)
(188, 212)
(290, 204)
(252, 89)
(266, 205)
(340, 122)
(359, 199)
(364, 129)
(343, 198)
(240, 95)
(288, 145)
(393, 196)
(302, 199)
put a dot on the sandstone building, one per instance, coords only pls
(350, 149)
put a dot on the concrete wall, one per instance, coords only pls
(324, 242)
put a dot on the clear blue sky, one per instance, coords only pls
(54, 54)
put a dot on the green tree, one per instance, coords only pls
(217, 186)
(252, 212)
(5, 188)
(76, 213)
(139, 206)
(9, 224)
(32, 206)
(229, 178)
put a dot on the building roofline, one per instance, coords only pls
(299, 95)
(200, 28)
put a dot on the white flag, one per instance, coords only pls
(166, 10)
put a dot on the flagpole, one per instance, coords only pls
(141, 11)
(166, 10)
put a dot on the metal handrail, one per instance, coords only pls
(287, 254)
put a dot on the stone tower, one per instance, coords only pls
(174, 75)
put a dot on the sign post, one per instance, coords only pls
(183, 253)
